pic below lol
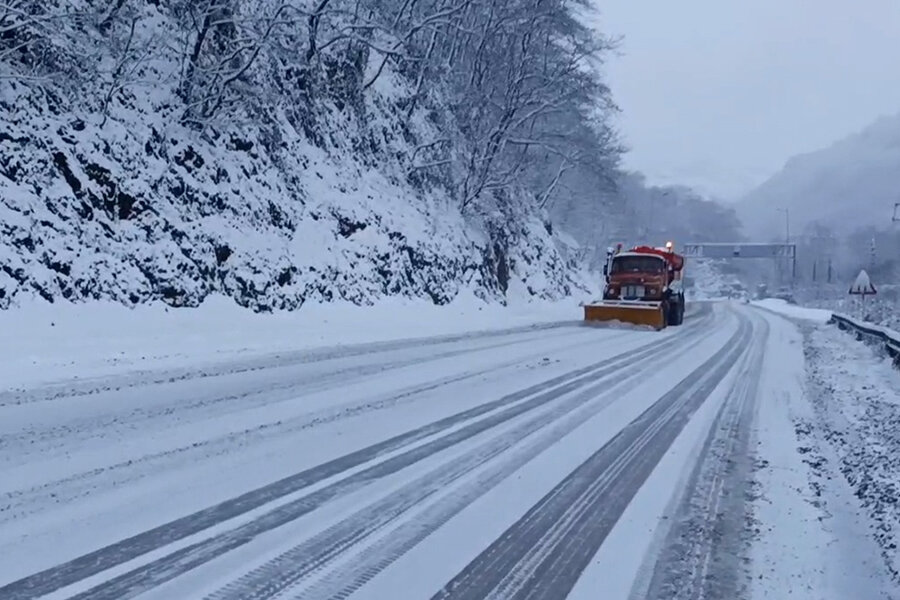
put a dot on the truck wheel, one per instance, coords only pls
(675, 313)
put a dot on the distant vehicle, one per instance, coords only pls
(785, 294)
(734, 291)
(762, 291)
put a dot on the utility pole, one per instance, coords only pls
(787, 226)
(895, 217)
(872, 255)
(815, 281)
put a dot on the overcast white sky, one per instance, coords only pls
(719, 93)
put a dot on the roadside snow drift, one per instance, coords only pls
(49, 342)
(856, 396)
(791, 310)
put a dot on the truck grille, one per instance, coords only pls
(633, 291)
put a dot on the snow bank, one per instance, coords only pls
(882, 310)
(790, 310)
(812, 541)
(857, 403)
(887, 331)
(47, 342)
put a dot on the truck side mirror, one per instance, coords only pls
(605, 270)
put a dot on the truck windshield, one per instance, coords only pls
(637, 264)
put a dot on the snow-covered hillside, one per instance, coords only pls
(850, 185)
(142, 208)
(300, 187)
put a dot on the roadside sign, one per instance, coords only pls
(862, 286)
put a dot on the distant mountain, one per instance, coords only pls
(711, 180)
(847, 186)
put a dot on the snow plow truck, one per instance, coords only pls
(643, 287)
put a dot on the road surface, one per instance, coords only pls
(549, 462)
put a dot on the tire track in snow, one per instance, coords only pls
(90, 564)
(344, 581)
(314, 554)
(36, 438)
(85, 483)
(543, 554)
(701, 555)
(195, 555)
(75, 387)
(20, 503)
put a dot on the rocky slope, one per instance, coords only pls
(107, 191)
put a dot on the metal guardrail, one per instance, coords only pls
(888, 340)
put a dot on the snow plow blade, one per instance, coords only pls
(637, 313)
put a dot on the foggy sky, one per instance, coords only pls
(719, 93)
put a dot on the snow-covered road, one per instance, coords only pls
(547, 462)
